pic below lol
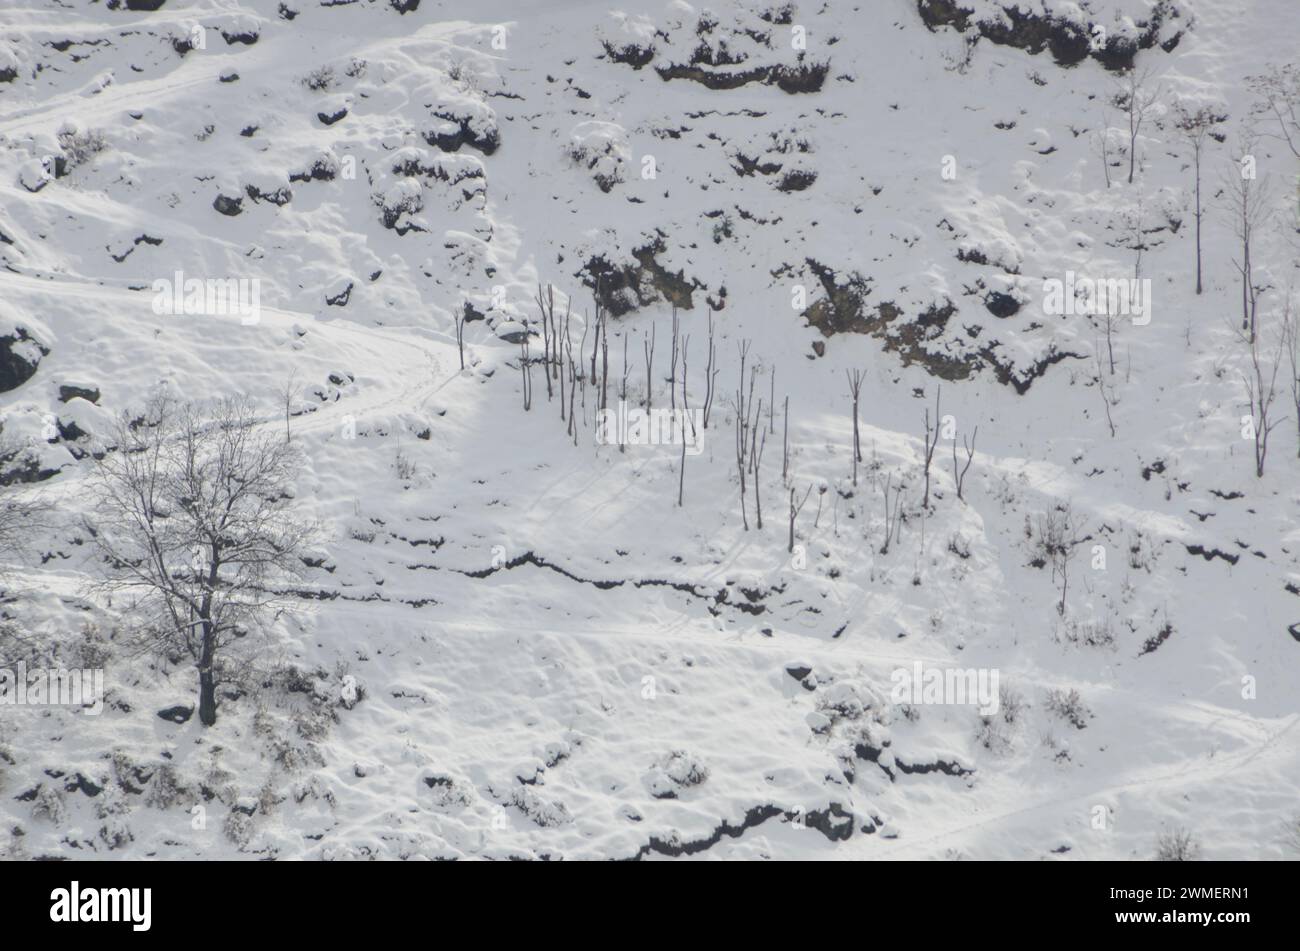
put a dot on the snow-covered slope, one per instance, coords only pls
(555, 659)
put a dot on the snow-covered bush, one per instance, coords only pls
(601, 149)
(1177, 845)
(1069, 706)
(79, 146)
(674, 772)
(398, 203)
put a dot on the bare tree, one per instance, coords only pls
(742, 445)
(1195, 126)
(580, 370)
(593, 377)
(573, 380)
(1058, 540)
(785, 442)
(648, 347)
(855, 378)
(672, 373)
(599, 325)
(753, 430)
(1107, 390)
(1278, 90)
(556, 359)
(758, 444)
(1103, 144)
(460, 335)
(546, 304)
(794, 514)
(289, 393)
(526, 370)
(742, 410)
(1291, 343)
(1130, 223)
(1135, 222)
(193, 521)
(622, 390)
(1247, 204)
(893, 516)
(685, 414)
(710, 375)
(743, 348)
(959, 476)
(1260, 382)
(931, 443)
(771, 404)
(604, 366)
(1135, 98)
(561, 349)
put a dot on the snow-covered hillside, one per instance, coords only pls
(511, 641)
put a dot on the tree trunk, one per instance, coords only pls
(793, 514)
(207, 698)
(207, 683)
(1198, 224)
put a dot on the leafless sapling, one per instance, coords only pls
(959, 476)
(526, 370)
(931, 442)
(1247, 204)
(604, 367)
(288, 394)
(622, 391)
(1291, 343)
(598, 325)
(893, 515)
(1278, 92)
(1103, 144)
(546, 305)
(753, 430)
(1195, 126)
(1105, 389)
(794, 514)
(1057, 540)
(855, 378)
(672, 371)
(560, 349)
(743, 347)
(742, 442)
(710, 376)
(1135, 98)
(682, 419)
(573, 381)
(758, 445)
(1260, 382)
(771, 404)
(785, 442)
(648, 346)
(460, 335)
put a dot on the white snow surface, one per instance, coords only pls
(515, 646)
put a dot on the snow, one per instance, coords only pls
(514, 646)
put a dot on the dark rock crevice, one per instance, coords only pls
(834, 822)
